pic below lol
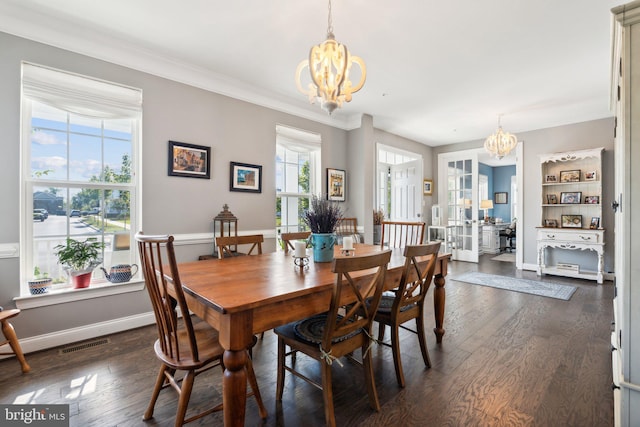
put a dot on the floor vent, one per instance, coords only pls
(84, 345)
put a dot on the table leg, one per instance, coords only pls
(438, 306)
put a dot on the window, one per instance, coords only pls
(297, 176)
(80, 143)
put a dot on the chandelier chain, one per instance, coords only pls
(329, 20)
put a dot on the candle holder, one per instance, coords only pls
(302, 262)
(348, 252)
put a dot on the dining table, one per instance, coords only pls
(245, 295)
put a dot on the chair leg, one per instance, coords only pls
(327, 394)
(369, 378)
(148, 414)
(280, 376)
(253, 382)
(380, 331)
(185, 395)
(10, 335)
(422, 339)
(395, 346)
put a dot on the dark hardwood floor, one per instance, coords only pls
(507, 359)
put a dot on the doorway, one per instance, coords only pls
(399, 183)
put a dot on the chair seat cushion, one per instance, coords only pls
(386, 303)
(311, 329)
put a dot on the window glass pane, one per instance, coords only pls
(48, 117)
(291, 173)
(85, 125)
(85, 157)
(279, 177)
(48, 153)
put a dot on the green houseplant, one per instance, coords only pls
(79, 259)
(322, 217)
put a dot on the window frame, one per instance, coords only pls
(28, 183)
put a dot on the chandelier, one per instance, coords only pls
(500, 143)
(329, 65)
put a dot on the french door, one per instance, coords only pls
(406, 191)
(458, 196)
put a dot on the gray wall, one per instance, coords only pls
(579, 136)
(235, 130)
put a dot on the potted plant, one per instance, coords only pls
(79, 259)
(378, 217)
(322, 218)
(41, 282)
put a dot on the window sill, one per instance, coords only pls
(68, 294)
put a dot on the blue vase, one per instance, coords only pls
(323, 247)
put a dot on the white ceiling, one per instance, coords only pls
(439, 72)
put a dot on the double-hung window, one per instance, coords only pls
(79, 175)
(297, 176)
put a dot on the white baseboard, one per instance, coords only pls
(67, 336)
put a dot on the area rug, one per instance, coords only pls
(507, 257)
(534, 287)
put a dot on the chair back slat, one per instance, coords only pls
(415, 281)
(367, 290)
(287, 238)
(399, 234)
(225, 244)
(347, 227)
(156, 255)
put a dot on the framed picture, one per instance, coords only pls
(189, 160)
(552, 199)
(500, 198)
(571, 197)
(592, 200)
(551, 178)
(427, 187)
(595, 222)
(572, 221)
(570, 176)
(336, 185)
(245, 177)
(550, 223)
(590, 176)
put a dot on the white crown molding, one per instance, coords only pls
(43, 29)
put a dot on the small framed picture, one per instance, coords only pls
(552, 199)
(592, 200)
(500, 198)
(427, 187)
(591, 176)
(336, 185)
(570, 176)
(552, 223)
(595, 222)
(550, 178)
(245, 177)
(572, 221)
(189, 160)
(571, 197)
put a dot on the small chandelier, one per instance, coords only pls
(329, 64)
(500, 143)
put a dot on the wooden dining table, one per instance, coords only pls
(245, 295)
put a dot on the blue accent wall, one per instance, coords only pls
(502, 184)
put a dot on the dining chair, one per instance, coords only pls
(225, 244)
(188, 347)
(287, 238)
(398, 234)
(347, 227)
(11, 338)
(407, 302)
(339, 331)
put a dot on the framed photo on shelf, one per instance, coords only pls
(570, 176)
(591, 176)
(245, 177)
(552, 223)
(571, 221)
(592, 200)
(336, 184)
(550, 179)
(427, 187)
(189, 160)
(595, 222)
(570, 197)
(500, 198)
(552, 199)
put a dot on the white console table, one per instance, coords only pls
(573, 240)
